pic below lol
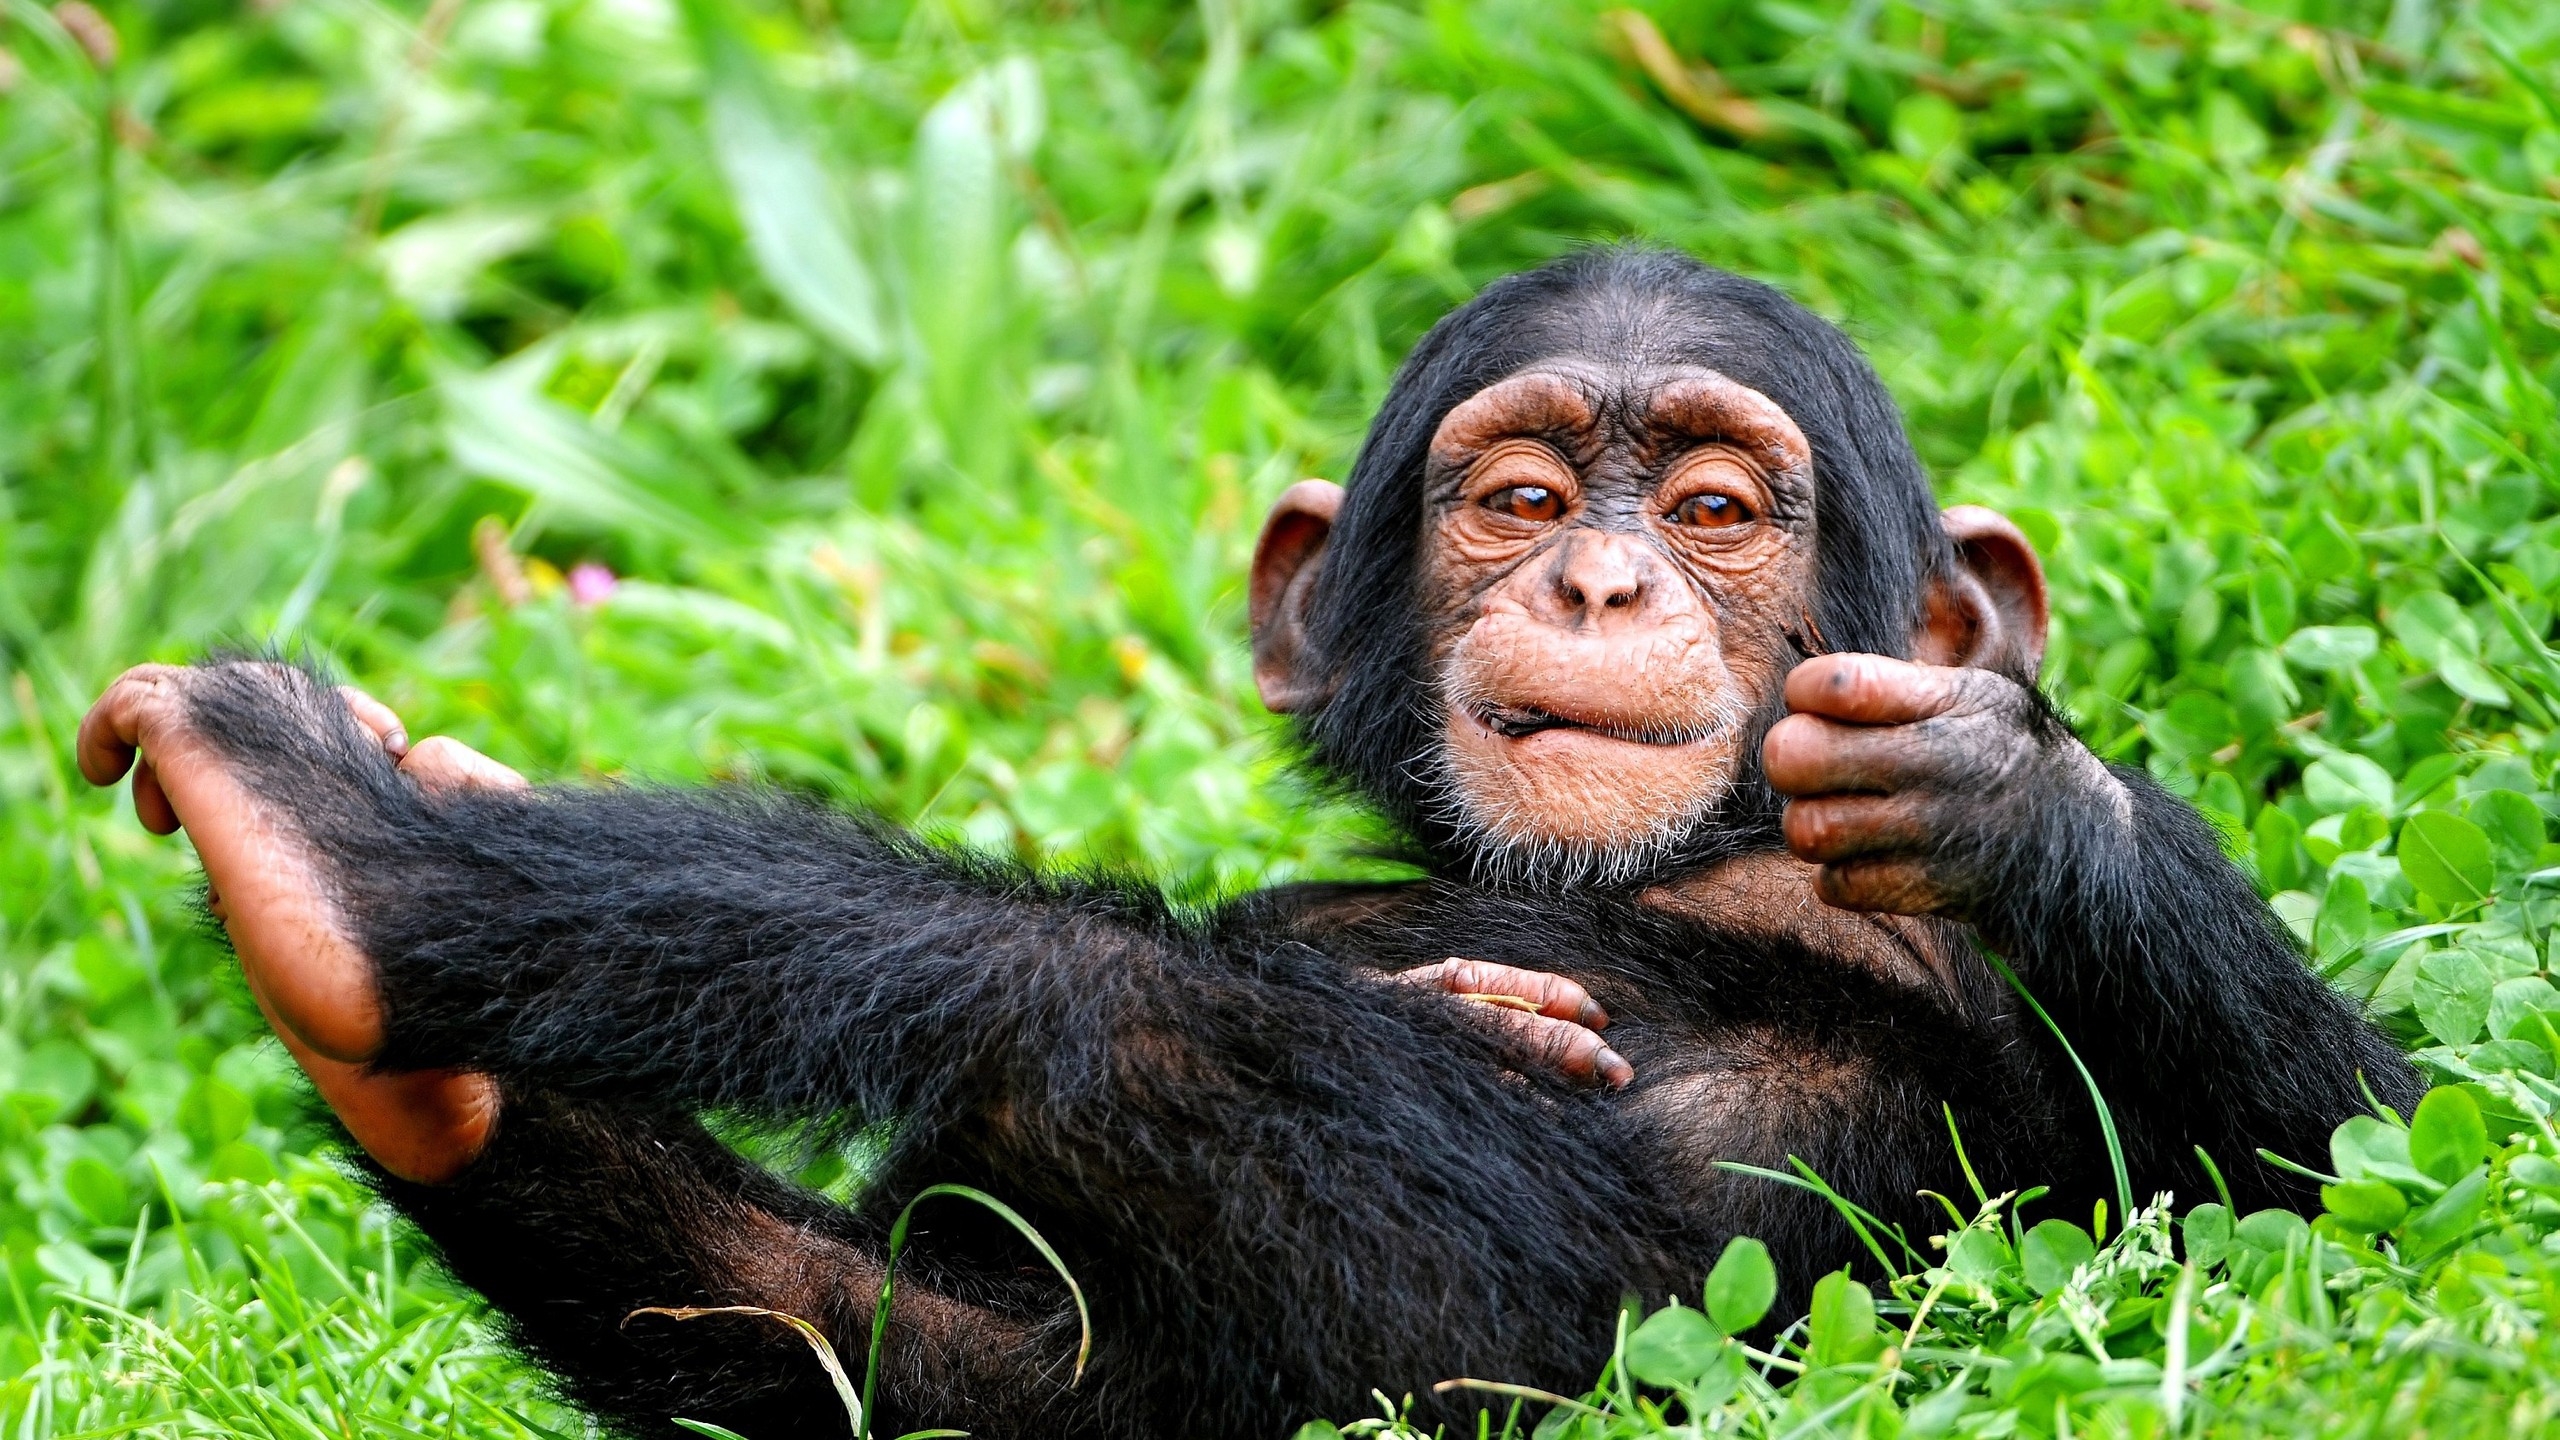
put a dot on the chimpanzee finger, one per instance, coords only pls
(150, 802)
(1833, 828)
(112, 730)
(1872, 689)
(1560, 1047)
(1553, 996)
(377, 718)
(1809, 755)
(441, 762)
(1897, 885)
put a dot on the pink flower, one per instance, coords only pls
(591, 583)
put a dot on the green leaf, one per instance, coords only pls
(1842, 1328)
(2268, 1231)
(2430, 625)
(2263, 693)
(2473, 681)
(784, 194)
(1673, 1346)
(2054, 1249)
(1723, 1377)
(2452, 1212)
(499, 424)
(2366, 1148)
(2331, 647)
(2271, 603)
(98, 1190)
(2506, 952)
(1937, 1413)
(2194, 724)
(2499, 1057)
(213, 1113)
(2517, 1007)
(2372, 1206)
(2207, 1229)
(2199, 622)
(1742, 1286)
(1562, 1423)
(2535, 1172)
(2220, 799)
(239, 1160)
(959, 232)
(60, 1072)
(2447, 858)
(1926, 126)
(705, 1427)
(2447, 1137)
(2344, 919)
(2451, 994)
(2275, 841)
(2428, 776)
(2338, 783)
(2514, 825)
(1981, 1256)
(2362, 827)
(1317, 1430)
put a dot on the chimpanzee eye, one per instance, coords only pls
(1526, 502)
(1710, 511)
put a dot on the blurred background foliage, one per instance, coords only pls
(881, 399)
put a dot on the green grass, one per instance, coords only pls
(922, 372)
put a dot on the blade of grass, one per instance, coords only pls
(2097, 1098)
(889, 1277)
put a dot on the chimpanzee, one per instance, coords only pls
(1637, 616)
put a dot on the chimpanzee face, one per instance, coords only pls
(1614, 562)
(1566, 592)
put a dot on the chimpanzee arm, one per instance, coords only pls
(1239, 1145)
(1962, 792)
(579, 1215)
(2182, 991)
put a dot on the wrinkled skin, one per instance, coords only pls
(311, 982)
(1893, 769)
(1615, 561)
(1617, 572)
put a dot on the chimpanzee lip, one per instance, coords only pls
(1519, 722)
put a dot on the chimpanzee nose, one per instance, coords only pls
(1596, 575)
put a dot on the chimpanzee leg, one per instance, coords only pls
(580, 1214)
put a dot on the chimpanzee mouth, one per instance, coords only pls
(1518, 722)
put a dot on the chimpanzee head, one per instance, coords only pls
(1607, 505)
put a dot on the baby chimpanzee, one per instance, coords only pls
(1636, 614)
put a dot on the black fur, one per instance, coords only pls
(1877, 537)
(1282, 1181)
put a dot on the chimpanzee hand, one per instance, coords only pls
(303, 967)
(1549, 1023)
(1918, 787)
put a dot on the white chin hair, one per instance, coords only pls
(1510, 849)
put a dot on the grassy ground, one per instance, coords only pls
(915, 375)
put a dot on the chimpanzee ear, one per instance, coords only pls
(1991, 612)
(1285, 563)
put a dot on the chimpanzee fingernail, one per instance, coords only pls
(1614, 1069)
(1592, 1016)
(396, 743)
